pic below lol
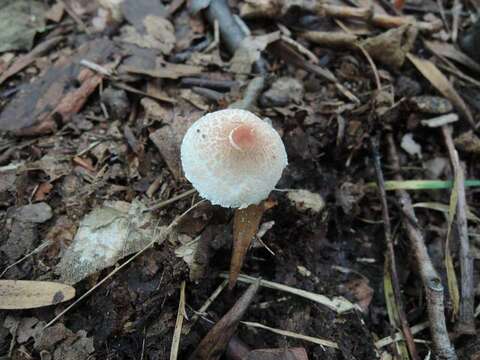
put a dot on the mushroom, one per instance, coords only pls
(234, 159)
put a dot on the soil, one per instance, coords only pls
(75, 140)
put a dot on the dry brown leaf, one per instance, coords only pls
(391, 46)
(245, 225)
(157, 33)
(450, 51)
(249, 51)
(25, 294)
(430, 71)
(117, 228)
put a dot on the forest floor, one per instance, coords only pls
(372, 233)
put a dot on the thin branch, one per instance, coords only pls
(377, 19)
(430, 279)
(407, 333)
(326, 10)
(251, 94)
(178, 324)
(231, 32)
(164, 203)
(466, 321)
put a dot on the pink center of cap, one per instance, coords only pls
(242, 137)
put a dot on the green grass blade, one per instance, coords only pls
(422, 184)
(392, 309)
(444, 208)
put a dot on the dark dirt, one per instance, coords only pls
(70, 157)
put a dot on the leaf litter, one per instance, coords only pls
(105, 236)
(95, 98)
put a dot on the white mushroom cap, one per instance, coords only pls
(233, 158)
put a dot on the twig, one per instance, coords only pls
(216, 37)
(230, 31)
(288, 54)
(398, 336)
(209, 94)
(201, 255)
(323, 9)
(315, 340)
(300, 48)
(466, 321)
(372, 65)
(131, 89)
(11, 148)
(178, 324)
(331, 38)
(185, 54)
(205, 306)
(430, 279)
(220, 85)
(407, 334)
(23, 61)
(96, 67)
(142, 354)
(164, 203)
(34, 251)
(337, 304)
(251, 94)
(75, 17)
(370, 16)
(216, 341)
(441, 11)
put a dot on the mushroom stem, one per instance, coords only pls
(245, 225)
